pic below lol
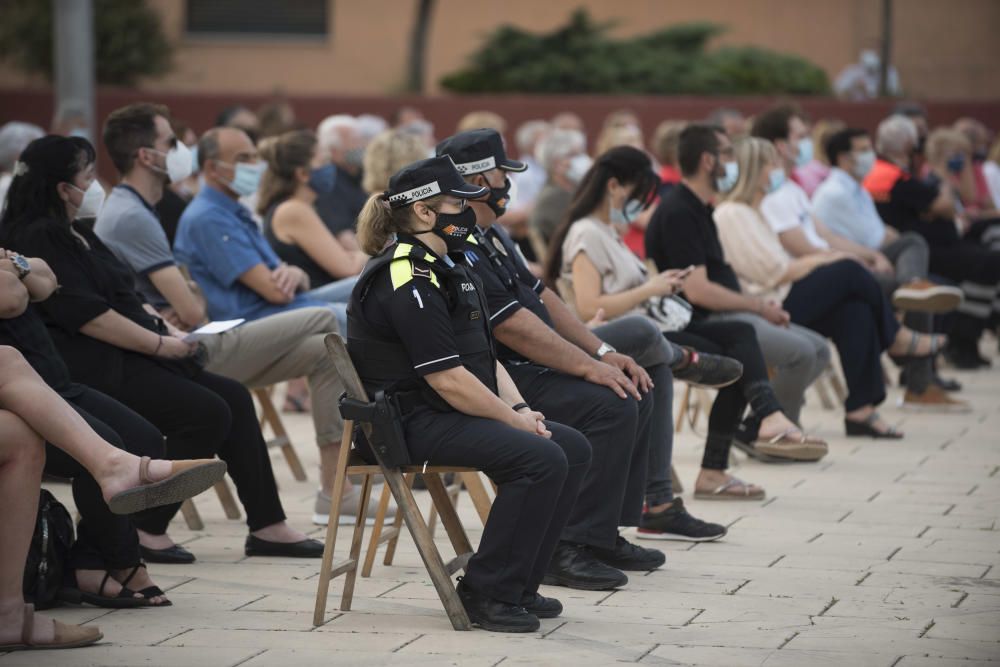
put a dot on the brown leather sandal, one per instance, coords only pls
(794, 445)
(66, 636)
(187, 478)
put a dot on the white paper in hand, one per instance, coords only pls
(213, 328)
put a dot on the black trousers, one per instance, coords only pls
(619, 432)
(738, 341)
(537, 485)
(845, 303)
(201, 417)
(976, 270)
(104, 541)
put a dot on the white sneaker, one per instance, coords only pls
(349, 507)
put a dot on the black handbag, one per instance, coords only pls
(48, 555)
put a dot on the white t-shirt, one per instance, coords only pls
(991, 172)
(787, 208)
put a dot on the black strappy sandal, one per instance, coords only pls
(124, 600)
(911, 349)
(866, 429)
(149, 591)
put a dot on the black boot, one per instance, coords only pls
(494, 615)
(574, 566)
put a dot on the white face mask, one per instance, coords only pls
(578, 167)
(93, 200)
(180, 162)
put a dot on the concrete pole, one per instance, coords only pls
(886, 55)
(75, 68)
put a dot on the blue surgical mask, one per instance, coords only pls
(619, 216)
(194, 159)
(776, 179)
(726, 183)
(956, 164)
(805, 154)
(863, 163)
(246, 177)
(322, 179)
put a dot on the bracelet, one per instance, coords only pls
(158, 346)
(517, 407)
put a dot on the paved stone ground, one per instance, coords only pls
(884, 554)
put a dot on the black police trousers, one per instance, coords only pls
(537, 480)
(619, 433)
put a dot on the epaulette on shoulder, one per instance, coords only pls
(409, 262)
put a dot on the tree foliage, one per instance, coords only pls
(580, 57)
(128, 39)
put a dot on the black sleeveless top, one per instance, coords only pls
(294, 255)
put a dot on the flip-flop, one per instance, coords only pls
(187, 478)
(722, 492)
(793, 444)
(65, 636)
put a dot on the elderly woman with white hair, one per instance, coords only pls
(562, 154)
(927, 206)
(14, 137)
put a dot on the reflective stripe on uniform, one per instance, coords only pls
(402, 272)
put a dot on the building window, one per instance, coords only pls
(262, 18)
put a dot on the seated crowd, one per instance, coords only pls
(529, 314)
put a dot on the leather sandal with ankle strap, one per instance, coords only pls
(866, 429)
(66, 636)
(187, 478)
(149, 591)
(936, 343)
(125, 599)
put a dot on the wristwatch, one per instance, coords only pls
(604, 349)
(21, 265)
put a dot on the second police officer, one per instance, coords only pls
(418, 327)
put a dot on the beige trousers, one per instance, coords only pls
(282, 347)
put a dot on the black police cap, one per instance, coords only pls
(429, 178)
(477, 151)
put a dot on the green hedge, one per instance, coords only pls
(581, 58)
(128, 39)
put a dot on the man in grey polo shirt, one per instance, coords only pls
(273, 349)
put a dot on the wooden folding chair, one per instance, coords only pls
(695, 402)
(349, 464)
(270, 417)
(470, 481)
(229, 506)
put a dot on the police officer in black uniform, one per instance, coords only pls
(567, 383)
(418, 327)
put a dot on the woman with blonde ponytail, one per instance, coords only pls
(419, 331)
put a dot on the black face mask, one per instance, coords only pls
(499, 198)
(454, 228)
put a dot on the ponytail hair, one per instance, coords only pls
(283, 154)
(378, 222)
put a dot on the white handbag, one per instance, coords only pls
(672, 313)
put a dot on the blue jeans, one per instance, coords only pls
(337, 294)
